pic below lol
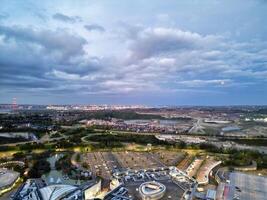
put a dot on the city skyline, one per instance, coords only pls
(120, 52)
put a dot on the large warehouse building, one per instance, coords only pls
(36, 189)
(7, 179)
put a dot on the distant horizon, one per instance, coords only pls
(144, 105)
(186, 52)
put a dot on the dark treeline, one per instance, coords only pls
(77, 131)
(124, 114)
(6, 140)
(252, 142)
(39, 168)
(129, 138)
(22, 118)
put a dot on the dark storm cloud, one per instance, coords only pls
(67, 44)
(66, 18)
(26, 82)
(94, 27)
(155, 41)
(28, 58)
(82, 67)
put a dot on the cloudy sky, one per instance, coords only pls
(186, 52)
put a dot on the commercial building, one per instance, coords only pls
(58, 191)
(152, 190)
(36, 189)
(211, 194)
(7, 179)
(147, 184)
(151, 184)
(92, 190)
(118, 193)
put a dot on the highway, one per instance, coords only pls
(197, 127)
(260, 149)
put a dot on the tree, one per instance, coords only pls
(39, 168)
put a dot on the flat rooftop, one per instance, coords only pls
(173, 191)
(7, 177)
(175, 182)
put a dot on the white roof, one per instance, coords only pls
(151, 188)
(7, 177)
(55, 192)
(211, 194)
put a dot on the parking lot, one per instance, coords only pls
(105, 163)
(137, 160)
(184, 164)
(169, 158)
(98, 165)
(194, 167)
(248, 187)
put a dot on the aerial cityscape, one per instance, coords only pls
(133, 100)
